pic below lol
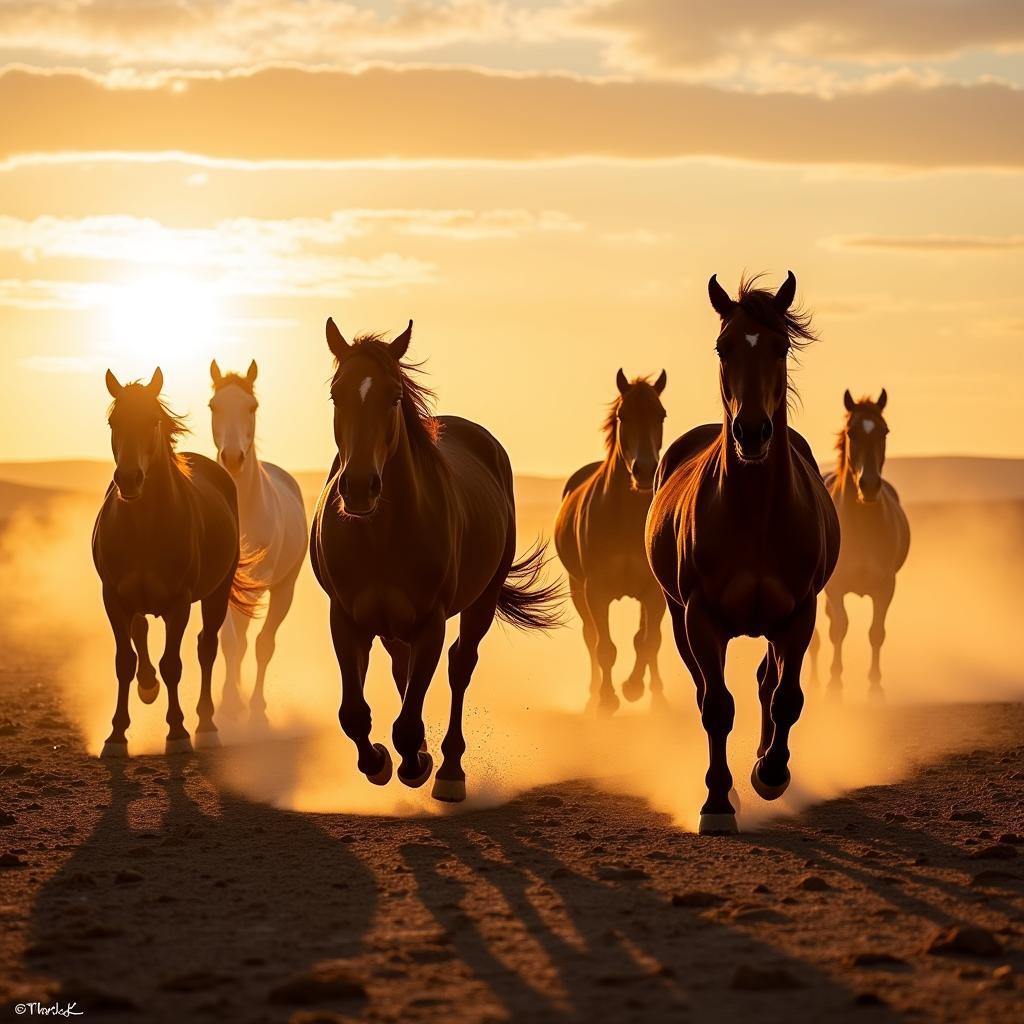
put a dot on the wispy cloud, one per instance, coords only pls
(935, 243)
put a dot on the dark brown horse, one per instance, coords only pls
(166, 536)
(599, 536)
(416, 524)
(742, 536)
(876, 535)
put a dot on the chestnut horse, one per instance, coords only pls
(742, 535)
(166, 536)
(876, 535)
(415, 524)
(599, 536)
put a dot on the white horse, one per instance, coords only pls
(273, 526)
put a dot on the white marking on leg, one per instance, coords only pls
(752, 339)
(364, 387)
(867, 426)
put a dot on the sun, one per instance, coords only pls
(165, 320)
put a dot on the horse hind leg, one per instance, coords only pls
(234, 642)
(879, 609)
(280, 603)
(839, 624)
(149, 683)
(653, 612)
(178, 741)
(633, 687)
(598, 602)
(214, 611)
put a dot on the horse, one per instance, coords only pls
(599, 538)
(415, 524)
(742, 536)
(166, 536)
(876, 535)
(272, 518)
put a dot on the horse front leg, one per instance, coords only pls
(149, 684)
(770, 777)
(838, 624)
(633, 686)
(767, 682)
(879, 608)
(653, 610)
(125, 662)
(175, 620)
(408, 733)
(598, 601)
(214, 611)
(579, 599)
(234, 643)
(281, 597)
(717, 711)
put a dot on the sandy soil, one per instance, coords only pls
(151, 891)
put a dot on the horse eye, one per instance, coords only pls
(397, 400)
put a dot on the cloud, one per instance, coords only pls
(434, 114)
(675, 35)
(932, 243)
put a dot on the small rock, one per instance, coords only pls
(993, 876)
(968, 939)
(697, 898)
(6, 818)
(763, 979)
(1012, 838)
(813, 883)
(997, 851)
(614, 873)
(876, 958)
(329, 979)
(967, 816)
(549, 800)
(12, 860)
(128, 876)
(760, 915)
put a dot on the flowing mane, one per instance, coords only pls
(173, 425)
(611, 420)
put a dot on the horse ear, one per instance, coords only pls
(215, 375)
(720, 301)
(156, 382)
(251, 373)
(787, 293)
(401, 344)
(620, 382)
(659, 384)
(114, 386)
(882, 399)
(848, 401)
(335, 342)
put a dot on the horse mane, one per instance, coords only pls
(422, 426)
(244, 383)
(863, 404)
(611, 420)
(173, 425)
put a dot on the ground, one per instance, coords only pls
(150, 891)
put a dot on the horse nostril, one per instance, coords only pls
(766, 431)
(737, 430)
(343, 485)
(140, 479)
(375, 485)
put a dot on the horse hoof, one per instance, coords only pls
(383, 776)
(148, 694)
(449, 791)
(876, 693)
(426, 764)
(113, 749)
(762, 788)
(181, 745)
(718, 825)
(633, 690)
(207, 739)
(607, 706)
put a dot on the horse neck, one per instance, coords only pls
(251, 481)
(614, 471)
(405, 482)
(844, 473)
(163, 481)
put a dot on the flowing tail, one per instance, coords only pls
(246, 589)
(524, 601)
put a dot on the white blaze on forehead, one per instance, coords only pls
(364, 387)
(867, 426)
(752, 338)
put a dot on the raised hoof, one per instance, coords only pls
(449, 791)
(633, 690)
(426, 764)
(149, 693)
(113, 749)
(718, 825)
(181, 745)
(383, 776)
(762, 788)
(208, 739)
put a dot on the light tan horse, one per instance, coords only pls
(876, 535)
(599, 536)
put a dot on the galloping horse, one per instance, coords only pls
(876, 534)
(166, 536)
(742, 535)
(416, 524)
(599, 536)
(273, 526)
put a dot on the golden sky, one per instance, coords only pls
(544, 187)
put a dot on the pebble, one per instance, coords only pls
(969, 939)
(997, 851)
(697, 898)
(329, 979)
(813, 883)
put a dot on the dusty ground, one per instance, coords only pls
(150, 892)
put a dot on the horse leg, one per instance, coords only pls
(767, 682)
(813, 651)
(281, 596)
(717, 712)
(653, 611)
(839, 623)
(399, 653)
(633, 687)
(149, 684)
(598, 603)
(408, 733)
(770, 777)
(125, 662)
(475, 621)
(234, 643)
(176, 620)
(214, 611)
(579, 599)
(352, 649)
(879, 608)
(677, 613)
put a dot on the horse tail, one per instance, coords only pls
(524, 601)
(246, 588)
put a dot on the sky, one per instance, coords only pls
(544, 187)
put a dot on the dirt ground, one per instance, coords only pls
(151, 891)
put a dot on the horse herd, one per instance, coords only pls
(734, 530)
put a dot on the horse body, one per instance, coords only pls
(272, 518)
(742, 535)
(415, 524)
(166, 537)
(599, 537)
(876, 534)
